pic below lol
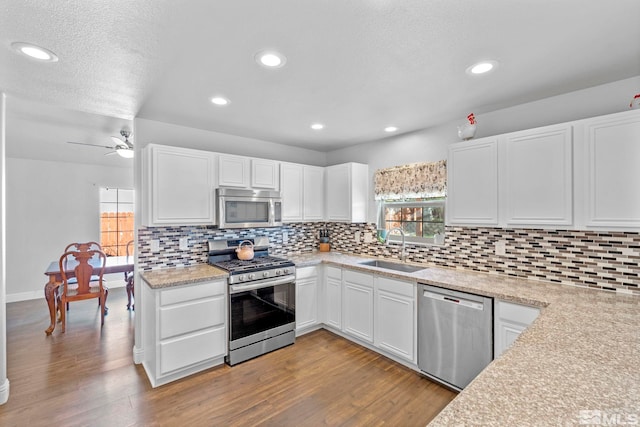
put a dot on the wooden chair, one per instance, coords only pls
(128, 278)
(80, 247)
(85, 288)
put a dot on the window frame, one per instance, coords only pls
(396, 238)
(119, 203)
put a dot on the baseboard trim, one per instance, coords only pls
(4, 392)
(138, 355)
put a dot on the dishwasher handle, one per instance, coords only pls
(453, 300)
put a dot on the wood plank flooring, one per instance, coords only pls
(86, 377)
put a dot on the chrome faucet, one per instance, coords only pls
(403, 254)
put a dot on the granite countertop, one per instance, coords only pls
(178, 276)
(581, 354)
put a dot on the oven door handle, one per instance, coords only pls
(234, 289)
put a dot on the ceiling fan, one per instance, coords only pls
(122, 148)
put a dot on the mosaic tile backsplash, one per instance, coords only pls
(602, 260)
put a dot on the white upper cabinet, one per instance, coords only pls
(536, 176)
(291, 190)
(313, 193)
(302, 190)
(233, 171)
(612, 170)
(178, 186)
(245, 172)
(472, 182)
(265, 174)
(347, 192)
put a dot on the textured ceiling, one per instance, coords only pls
(356, 66)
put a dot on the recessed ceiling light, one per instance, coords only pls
(317, 126)
(390, 129)
(482, 67)
(35, 52)
(270, 59)
(220, 100)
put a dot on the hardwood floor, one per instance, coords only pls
(86, 377)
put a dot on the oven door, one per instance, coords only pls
(262, 310)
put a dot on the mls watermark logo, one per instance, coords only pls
(597, 417)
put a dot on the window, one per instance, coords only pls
(420, 219)
(116, 220)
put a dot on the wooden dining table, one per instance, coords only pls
(116, 264)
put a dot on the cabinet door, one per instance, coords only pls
(333, 297)
(510, 321)
(358, 305)
(233, 171)
(472, 181)
(181, 186)
(538, 176)
(338, 192)
(395, 317)
(291, 190)
(613, 171)
(265, 174)
(313, 194)
(333, 303)
(306, 297)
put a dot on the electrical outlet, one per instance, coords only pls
(368, 237)
(184, 243)
(285, 237)
(501, 248)
(155, 245)
(356, 236)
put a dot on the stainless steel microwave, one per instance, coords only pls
(248, 208)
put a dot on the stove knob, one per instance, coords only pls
(251, 276)
(241, 278)
(278, 272)
(265, 274)
(285, 271)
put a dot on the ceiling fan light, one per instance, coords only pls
(127, 153)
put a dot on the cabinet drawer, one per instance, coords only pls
(334, 272)
(364, 279)
(306, 272)
(396, 286)
(188, 293)
(188, 350)
(184, 318)
(517, 313)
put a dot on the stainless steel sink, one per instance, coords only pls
(387, 265)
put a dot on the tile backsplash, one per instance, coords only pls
(602, 260)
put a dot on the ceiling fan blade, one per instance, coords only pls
(91, 145)
(110, 153)
(119, 142)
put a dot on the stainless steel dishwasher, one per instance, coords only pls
(455, 335)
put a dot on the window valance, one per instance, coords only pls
(416, 180)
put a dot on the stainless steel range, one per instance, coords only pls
(261, 298)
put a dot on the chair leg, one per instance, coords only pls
(63, 315)
(129, 293)
(105, 309)
(101, 300)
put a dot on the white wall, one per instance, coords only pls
(51, 204)
(149, 131)
(431, 144)
(4, 381)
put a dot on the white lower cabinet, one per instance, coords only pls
(395, 317)
(332, 300)
(184, 330)
(510, 320)
(357, 307)
(307, 299)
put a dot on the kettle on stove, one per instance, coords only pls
(245, 253)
